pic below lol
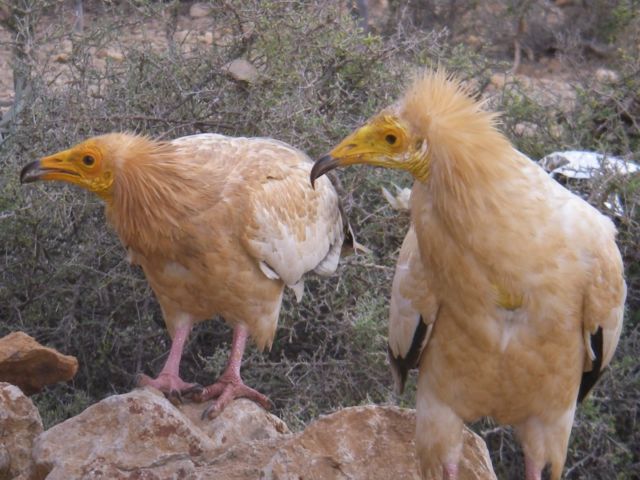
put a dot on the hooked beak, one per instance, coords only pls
(356, 148)
(31, 172)
(55, 167)
(322, 166)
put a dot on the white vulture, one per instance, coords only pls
(509, 297)
(219, 225)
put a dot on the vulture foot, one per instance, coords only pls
(224, 391)
(171, 385)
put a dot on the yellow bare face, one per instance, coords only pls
(384, 142)
(84, 165)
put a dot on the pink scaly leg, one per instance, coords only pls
(450, 471)
(230, 385)
(168, 380)
(532, 471)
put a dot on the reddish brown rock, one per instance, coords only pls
(31, 366)
(20, 424)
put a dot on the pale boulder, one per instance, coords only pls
(370, 442)
(141, 435)
(242, 421)
(20, 424)
(242, 70)
(138, 431)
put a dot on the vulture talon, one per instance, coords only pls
(211, 412)
(226, 393)
(193, 393)
(175, 397)
(169, 384)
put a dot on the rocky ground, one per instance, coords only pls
(141, 435)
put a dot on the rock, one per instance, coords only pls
(5, 463)
(548, 93)
(181, 36)
(242, 70)
(111, 54)
(582, 165)
(199, 10)
(207, 38)
(604, 75)
(61, 57)
(20, 424)
(525, 129)
(498, 80)
(377, 14)
(242, 421)
(141, 435)
(223, 36)
(475, 461)
(63, 52)
(31, 366)
(138, 431)
(556, 93)
(371, 442)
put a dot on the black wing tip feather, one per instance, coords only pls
(400, 365)
(590, 378)
(399, 371)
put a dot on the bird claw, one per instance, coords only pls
(194, 392)
(175, 397)
(173, 387)
(225, 393)
(211, 412)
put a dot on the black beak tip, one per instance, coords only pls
(27, 174)
(322, 166)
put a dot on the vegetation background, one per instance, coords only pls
(566, 74)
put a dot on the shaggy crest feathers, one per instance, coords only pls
(466, 148)
(153, 189)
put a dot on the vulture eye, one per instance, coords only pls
(88, 160)
(391, 139)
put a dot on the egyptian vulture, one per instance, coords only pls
(219, 225)
(509, 297)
